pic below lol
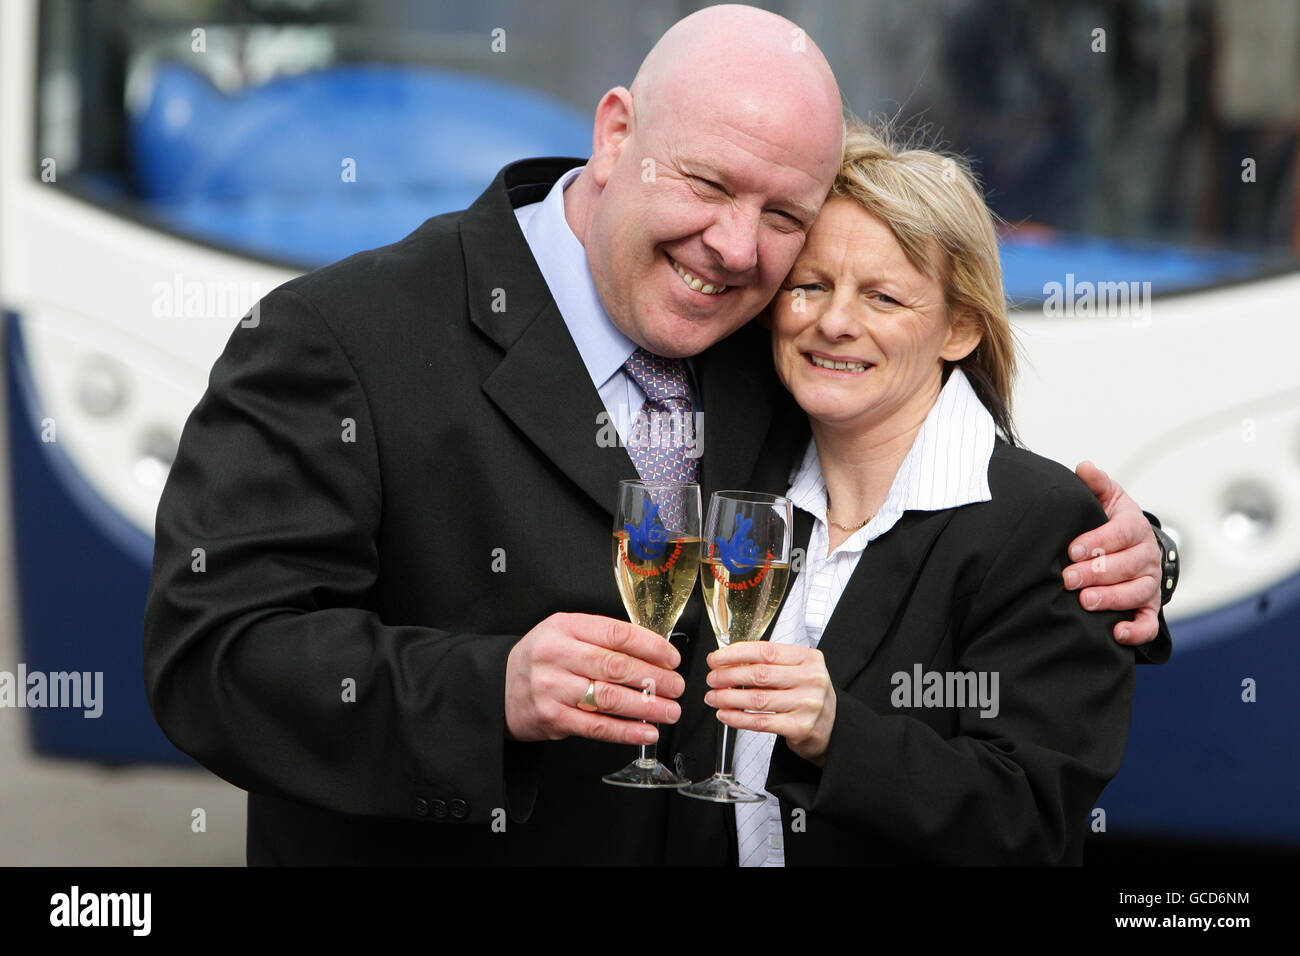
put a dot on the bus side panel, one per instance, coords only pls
(1214, 747)
(82, 574)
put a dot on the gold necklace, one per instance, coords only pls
(831, 520)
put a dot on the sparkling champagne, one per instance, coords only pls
(741, 604)
(655, 589)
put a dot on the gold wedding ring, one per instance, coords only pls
(588, 702)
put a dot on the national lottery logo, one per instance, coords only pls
(646, 542)
(739, 555)
(648, 539)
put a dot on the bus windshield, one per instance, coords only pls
(1117, 142)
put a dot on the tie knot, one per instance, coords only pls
(660, 378)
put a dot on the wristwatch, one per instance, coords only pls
(1168, 564)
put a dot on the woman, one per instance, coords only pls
(933, 694)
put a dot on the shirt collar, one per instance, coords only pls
(563, 264)
(946, 467)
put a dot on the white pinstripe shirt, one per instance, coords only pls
(946, 467)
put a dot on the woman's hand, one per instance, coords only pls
(789, 683)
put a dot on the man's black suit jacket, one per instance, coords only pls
(969, 589)
(392, 477)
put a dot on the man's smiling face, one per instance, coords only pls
(698, 224)
(710, 172)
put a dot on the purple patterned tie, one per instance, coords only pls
(662, 441)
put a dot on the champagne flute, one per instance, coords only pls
(656, 560)
(744, 573)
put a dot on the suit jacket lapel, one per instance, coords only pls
(541, 383)
(504, 288)
(880, 586)
(738, 385)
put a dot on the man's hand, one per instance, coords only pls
(1118, 564)
(548, 671)
(788, 682)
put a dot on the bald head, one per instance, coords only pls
(761, 64)
(705, 177)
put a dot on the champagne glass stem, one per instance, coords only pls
(726, 739)
(649, 752)
(726, 750)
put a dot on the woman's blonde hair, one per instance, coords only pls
(936, 211)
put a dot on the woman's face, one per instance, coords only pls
(853, 297)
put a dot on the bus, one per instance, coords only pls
(165, 164)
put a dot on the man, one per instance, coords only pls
(398, 472)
